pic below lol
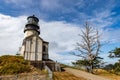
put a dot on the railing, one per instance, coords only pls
(50, 73)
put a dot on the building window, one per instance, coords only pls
(44, 48)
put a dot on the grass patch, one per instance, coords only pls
(106, 74)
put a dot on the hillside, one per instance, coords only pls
(10, 64)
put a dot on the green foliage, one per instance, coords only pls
(85, 62)
(13, 65)
(81, 62)
(115, 53)
(116, 68)
(88, 65)
(97, 62)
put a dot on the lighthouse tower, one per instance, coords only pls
(34, 48)
(32, 28)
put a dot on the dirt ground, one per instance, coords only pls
(66, 76)
(85, 75)
(74, 74)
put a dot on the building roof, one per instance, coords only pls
(33, 16)
(45, 42)
(29, 37)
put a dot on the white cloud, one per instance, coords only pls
(111, 35)
(10, 33)
(18, 1)
(102, 19)
(60, 33)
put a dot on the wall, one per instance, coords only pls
(32, 49)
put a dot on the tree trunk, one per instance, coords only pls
(91, 69)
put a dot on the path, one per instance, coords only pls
(83, 74)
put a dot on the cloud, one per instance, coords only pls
(18, 1)
(103, 19)
(111, 35)
(60, 32)
(10, 33)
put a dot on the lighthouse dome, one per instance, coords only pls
(32, 24)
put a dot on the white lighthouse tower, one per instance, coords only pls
(34, 48)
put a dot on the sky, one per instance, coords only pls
(60, 22)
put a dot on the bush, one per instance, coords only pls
(109, 67)
(13, 65)
(114, 68)
(117, 68)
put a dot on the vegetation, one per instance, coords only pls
(88, 48)
(85, 63)
(109, 67)
(115, 53)
(115, 68)
(13, 65)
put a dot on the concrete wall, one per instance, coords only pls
(39, 48)
(32, 49)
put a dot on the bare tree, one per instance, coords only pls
(89, 47)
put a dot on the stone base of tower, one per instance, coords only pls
(37, 64)
(53, 66)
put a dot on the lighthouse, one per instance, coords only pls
(34, 48)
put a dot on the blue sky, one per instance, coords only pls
(60, 22)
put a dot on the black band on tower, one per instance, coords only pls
(32, 24)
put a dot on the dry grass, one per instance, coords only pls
(107, 74)
(65, 76)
